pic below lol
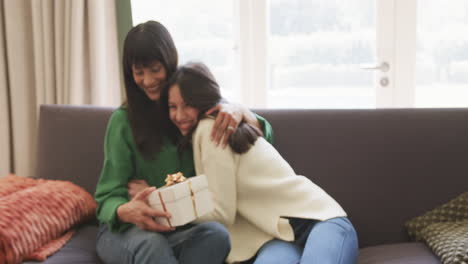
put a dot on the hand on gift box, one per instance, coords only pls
(138, 212)
(135, 186)
(185, 199)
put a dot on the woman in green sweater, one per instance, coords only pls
(139, 154)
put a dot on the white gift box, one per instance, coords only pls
(185, 201)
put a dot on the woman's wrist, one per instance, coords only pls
(120, 212)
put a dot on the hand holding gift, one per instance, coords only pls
(184, 199)
(138, 212)
(135, 186)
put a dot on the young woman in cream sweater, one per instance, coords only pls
(269, 210)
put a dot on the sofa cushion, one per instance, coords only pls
(444, 229)
(401, 253)
(448, 240)
(454, 210)
(35, 216)
(12, 183)
(80, 249)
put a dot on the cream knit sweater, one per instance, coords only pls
(253, 192)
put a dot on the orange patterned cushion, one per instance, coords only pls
(36, 216)
(50, 248)
(13, 183)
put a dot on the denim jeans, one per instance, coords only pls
(333, 241)
(202, 243)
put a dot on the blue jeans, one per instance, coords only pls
(202, 243)
(333, 241)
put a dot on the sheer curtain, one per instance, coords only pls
(52, 52)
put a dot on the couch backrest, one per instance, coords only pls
(70, 143)
(383, 166)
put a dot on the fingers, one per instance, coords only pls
(156, 213)
(131, 193)
(229, 131)
(223, 120)
(148, 222)
(143, 194)
(228, 119)
(147, 213)
(142, 215)
(135, 186)
(212, 110)
(216, 125)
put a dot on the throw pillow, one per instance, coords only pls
(454, 210)
(448, 240)
(445, 230)
(12, 183)
(31, 218)
(50, 248)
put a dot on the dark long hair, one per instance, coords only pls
(199, 89)
(145, 44)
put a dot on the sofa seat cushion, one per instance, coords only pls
(401, 253)
(81, 248)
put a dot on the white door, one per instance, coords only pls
(337, 53)
(395, 54)
(315, 51)
(426, 46)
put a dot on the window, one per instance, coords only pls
(442, 54)
(311, 53)
(202, 31)
(315, 52)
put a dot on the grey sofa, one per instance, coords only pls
(383, 166)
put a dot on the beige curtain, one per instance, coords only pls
(5, 137)
(52, 52)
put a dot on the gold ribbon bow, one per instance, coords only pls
(172, 179)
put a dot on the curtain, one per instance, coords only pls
(52, 52)
(5, 137)
(124, 24)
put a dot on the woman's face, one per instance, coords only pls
(150, 79)
(183, 116)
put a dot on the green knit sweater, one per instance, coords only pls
(123, 163)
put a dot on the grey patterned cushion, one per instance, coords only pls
(445, 230)
(448, 240)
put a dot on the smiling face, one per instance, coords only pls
(150, 79)
(184, 117)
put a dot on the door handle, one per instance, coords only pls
(383, 67)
